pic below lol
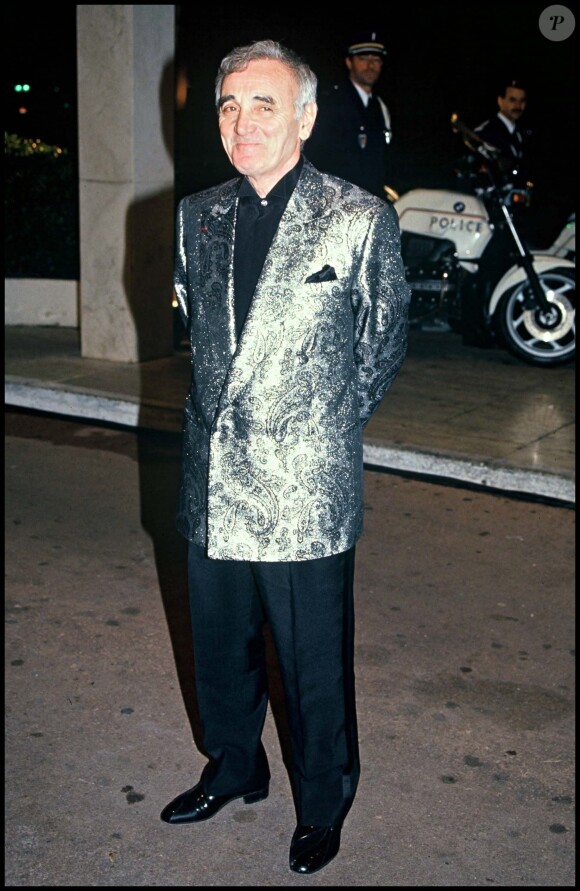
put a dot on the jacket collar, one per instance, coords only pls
(307, 197)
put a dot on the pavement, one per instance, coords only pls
(464, 645)
(476, 417)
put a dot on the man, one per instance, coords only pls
(291, 285)
(517, 159)
(503, 131)
(353, 129)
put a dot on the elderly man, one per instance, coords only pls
(291, 285)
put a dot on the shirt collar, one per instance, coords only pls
(366, 97)
(509, 124)
(283, 188)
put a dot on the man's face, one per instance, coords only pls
(257, 121)
(513, 104)
(365, 69)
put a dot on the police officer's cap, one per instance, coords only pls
(367, 42)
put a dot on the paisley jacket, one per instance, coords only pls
(272, 465)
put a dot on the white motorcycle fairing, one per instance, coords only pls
(516, 274)
(455, 216)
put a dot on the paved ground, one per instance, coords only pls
(456, 412)
(465, 674)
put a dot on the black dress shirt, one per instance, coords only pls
(256, 224)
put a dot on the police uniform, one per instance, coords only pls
(350, 139)
(510, 142)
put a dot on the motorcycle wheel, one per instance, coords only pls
(535, 336)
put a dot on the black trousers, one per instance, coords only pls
(309, 608)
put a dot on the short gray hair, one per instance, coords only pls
(240, 57)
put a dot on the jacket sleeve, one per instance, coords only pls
(180, 263)
(381, 299)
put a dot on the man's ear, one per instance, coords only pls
(308, 118)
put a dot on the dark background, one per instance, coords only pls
(40, 49)
(442, 58)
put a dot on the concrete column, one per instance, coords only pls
(125, 101)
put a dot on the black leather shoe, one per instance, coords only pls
(194, 805)
(313, 847)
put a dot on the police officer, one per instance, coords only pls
(353, 128)
(504, 131)
(517, 159)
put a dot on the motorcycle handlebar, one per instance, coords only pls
(471, 139)
(498, 175)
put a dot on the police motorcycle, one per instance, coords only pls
(469, 267)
